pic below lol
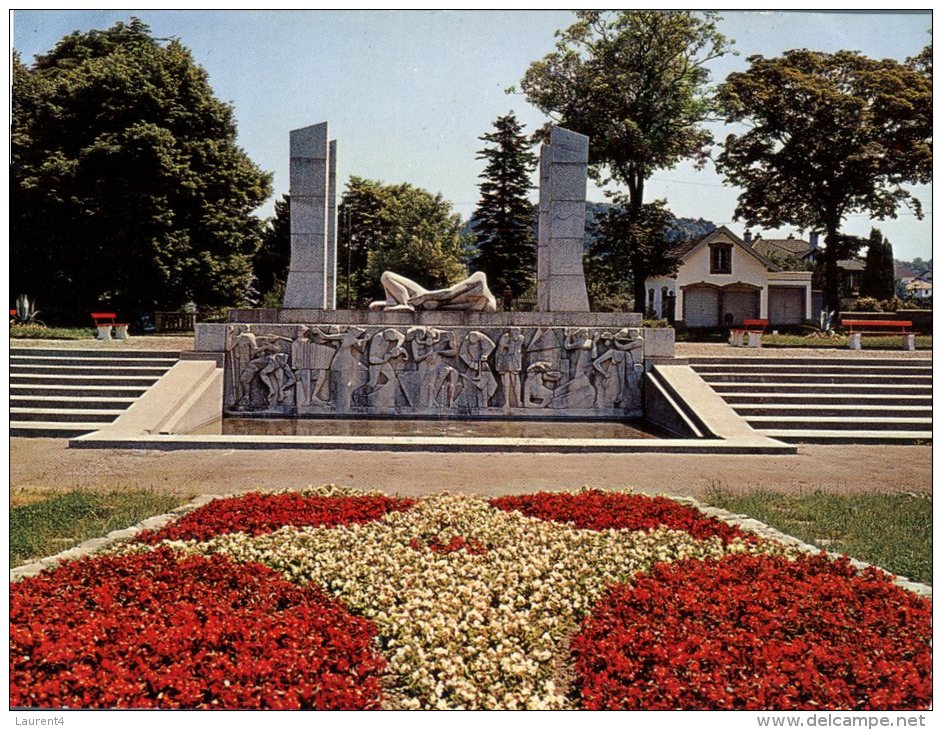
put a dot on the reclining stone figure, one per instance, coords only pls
(405, 295)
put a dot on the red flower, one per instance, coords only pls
(157, 630)
(756, 633)
(257, 513)
(598, 510)
(436, 545)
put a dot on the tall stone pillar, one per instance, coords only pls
(313, 269)
(564, 165)
(331, 300)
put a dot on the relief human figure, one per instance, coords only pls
(277, 377)
(347, 373)
(405, 295)
(578, 391)
(536, 394)
(480, 384)
(508, 362)
(311, 355)
(437, 380)
(386, 357)
(617, 383)
(247, 355)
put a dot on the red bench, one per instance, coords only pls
(104, 321)
(857, 328)
(755, 328)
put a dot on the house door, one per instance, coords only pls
(740, 304)
(786, 305)
(701, 306)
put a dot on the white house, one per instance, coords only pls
(721, 281)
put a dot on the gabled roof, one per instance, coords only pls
(682, 251)
(851, 265)
(782, 246)
(679, 250)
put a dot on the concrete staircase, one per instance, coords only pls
(827, 400)
(66, 393)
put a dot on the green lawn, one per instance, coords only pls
(42, 526)
(893, 531)
(923, 342)
(41, 332)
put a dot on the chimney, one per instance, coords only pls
(747, 236)
(813, 238)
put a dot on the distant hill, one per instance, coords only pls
(685, 227)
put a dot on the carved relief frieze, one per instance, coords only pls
(345, 370)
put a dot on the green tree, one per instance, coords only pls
(878, 279)
(634, 81)
(625, 241)
(273, 257)
(398, 228)
(129, 189)
(829, 135)
(504, 219)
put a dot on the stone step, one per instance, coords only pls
(848, 412)
(816, 388)
(83, 380)
(843, 398)
(40, 429)
(811, 362)
(151, 362)
(847, 437)
(85, 391)
(68, 401)
(854, 423)
(78, 353)
(53, 415)
(812, 378)
(817, 370)
(45, 369)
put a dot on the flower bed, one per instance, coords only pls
(476, 607)
(159, 629)
(597, 510)
(256, 513)
(756, 632)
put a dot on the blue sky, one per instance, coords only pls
(408, 93)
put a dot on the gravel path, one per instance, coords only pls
(49, 465)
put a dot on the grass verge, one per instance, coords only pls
(923, 342)
(42, 332)
(46, 526)
(893, 531)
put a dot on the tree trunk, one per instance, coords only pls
(832, 275)
(635, 201)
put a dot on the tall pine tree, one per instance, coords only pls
(879, 276)
(504, 219)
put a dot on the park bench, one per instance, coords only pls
(755, 328)
(105, 321)
(858, 328)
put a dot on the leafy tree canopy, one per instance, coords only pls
(633, 242)
(504, 219)
(271, 261)
(634, 82)
(398, 228)
(127, 187)
(829, 134)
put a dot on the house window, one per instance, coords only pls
(721, 259)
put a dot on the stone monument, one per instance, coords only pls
(563, 173)
(433, 353)
(312, 273)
